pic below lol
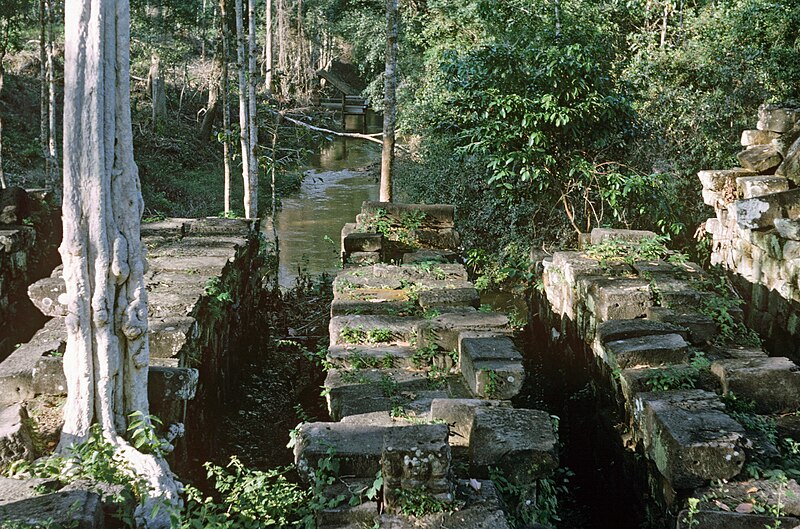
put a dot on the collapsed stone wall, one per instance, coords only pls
(30, 231)
(203, 281)
(639, 329)
(419, 384)
(756, 230)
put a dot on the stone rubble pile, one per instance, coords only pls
(756, 228)
(420, 381)
(643, 325)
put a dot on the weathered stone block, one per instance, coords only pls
(761, 212)
(361, 356)
(731, 520)
(645, 379)
(788, 228)
(422, 271)
(790, 168)
(756, 186)
(16, 437)
(688, 436)
(459, 414)
(449, 297)
(363, 242)
(701, 328)
(358, 448)
(777, 118)
(429, 255)
(492, 366)
(757, 137)
(444, 330)
(632, 236)
(760, 158)
(363, 258)
(717, 180)
(78, 509)
(436, 215)
(16, 384)
(615, 298)
(623, 329)
(214, 226)
(416, 457)
(47, 295)
(367, 328)
(168, 336)
(519, 442)
(757, 379)
(645, 350)
(715, 199)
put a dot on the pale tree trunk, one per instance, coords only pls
(52, 146)
(244, 121)
(4, 30)
(664, 22)
(389, 102)
(157, 92)
(252, 111)
(226, 109)
(282, 49)
(107, 354)
(268, 46)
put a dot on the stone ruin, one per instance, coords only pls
(420, 380)
(756, 227)
(195, 348)
(637, 326)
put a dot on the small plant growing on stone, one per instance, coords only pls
(379, 335)
(419, 502)
(492, 383)
(389, 386)
(423, 357)
(691, 513)
(352, 335)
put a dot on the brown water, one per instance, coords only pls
(310, 222)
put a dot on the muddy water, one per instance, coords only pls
(310, 221)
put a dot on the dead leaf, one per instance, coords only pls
(752, 490)
(722, 506)
(744, 508)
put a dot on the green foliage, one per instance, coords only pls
(723, 308)
(671, 378)
(143, 435)
(535, 502)
(419, 502)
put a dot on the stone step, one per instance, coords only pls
(700, 328)
(428, 255)
(711, 519)
(756, 379)
(78, 509)
(491, 365)
(459, 415)
(650, 351)
(520, 443)
(372, 329)
(421, 271)
(356, 278)
(614, 330)
(48, 295)
(633, 237)
(447, 298)
(435, 215)
(373, 301)
(689, 437)
(618, 298)
(443, 331)
(371, 356)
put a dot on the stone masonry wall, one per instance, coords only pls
(642, 331)
(30, 231)
(756, 228)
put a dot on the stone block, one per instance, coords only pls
(788, 228)
(426, 271)
(353, 279)
(715, 199)
(760, 158)
(615, 298)
(785, 140)
(449, 297)
(459, 414)
(363, 242)
(756, 186)
(436, 215)
(445, 239)
(358, 448)
(16, 383)
(757, 137)
(679, 294)
(429, 255)
(16, 437)
(701, 328)
(444, 330)
(12, 490)
(169, 335)
(761, 212)
(367, 328)
(361, 356)
(651, 351)
(689, 437)
(758, 378)
(790, 167)
(47, 295)
(623, 329)
(777, 118)
(215, 226)
(16, 238)
(599, 235)
(717, 180)
(520, 443)
(492, 366)
(711, 519)
(416, 457)
(77, 509)
(645, 379)
(363, 258)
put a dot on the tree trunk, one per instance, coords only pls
(244, 121)
(212, 108)
(282, 49)
(44, 131)
(226, 109)
(159, 96)
(389, 102)
(664, 22)
(268, 46)
(252, 111)
(52, 147)
(107, 354)
(4, 30)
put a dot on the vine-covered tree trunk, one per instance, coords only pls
(389, 102)
(244, 120)
(107, 354)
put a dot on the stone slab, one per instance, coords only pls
(757, 137)
(756, 186)
(613, 330)
(777, 118)
(449, 297)
(759, 158)
(363, 242)
(16, 382)
(790, 167)
(443, 239)
(421, 271)
(717, 180)
(732, 520)
(360, 356)
(761, 212)
(788, 228)
(429, 255)
(358, 448)
(459, 415)
(16, 437)
(12, 490)
(47, 295)
(77, 509)
(444, 330)
(616, 298)
(519, 442)
(491, 365)
(700, 328)
(773, 383)
(689, 437)
(371, 327)
(651, 351)
(632, 236)
(436, 215)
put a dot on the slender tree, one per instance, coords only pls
(268, 46)
(244, 120)
(389, 102)
(226, 109)
(107, 354)
(53, 173)
(252, 110)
